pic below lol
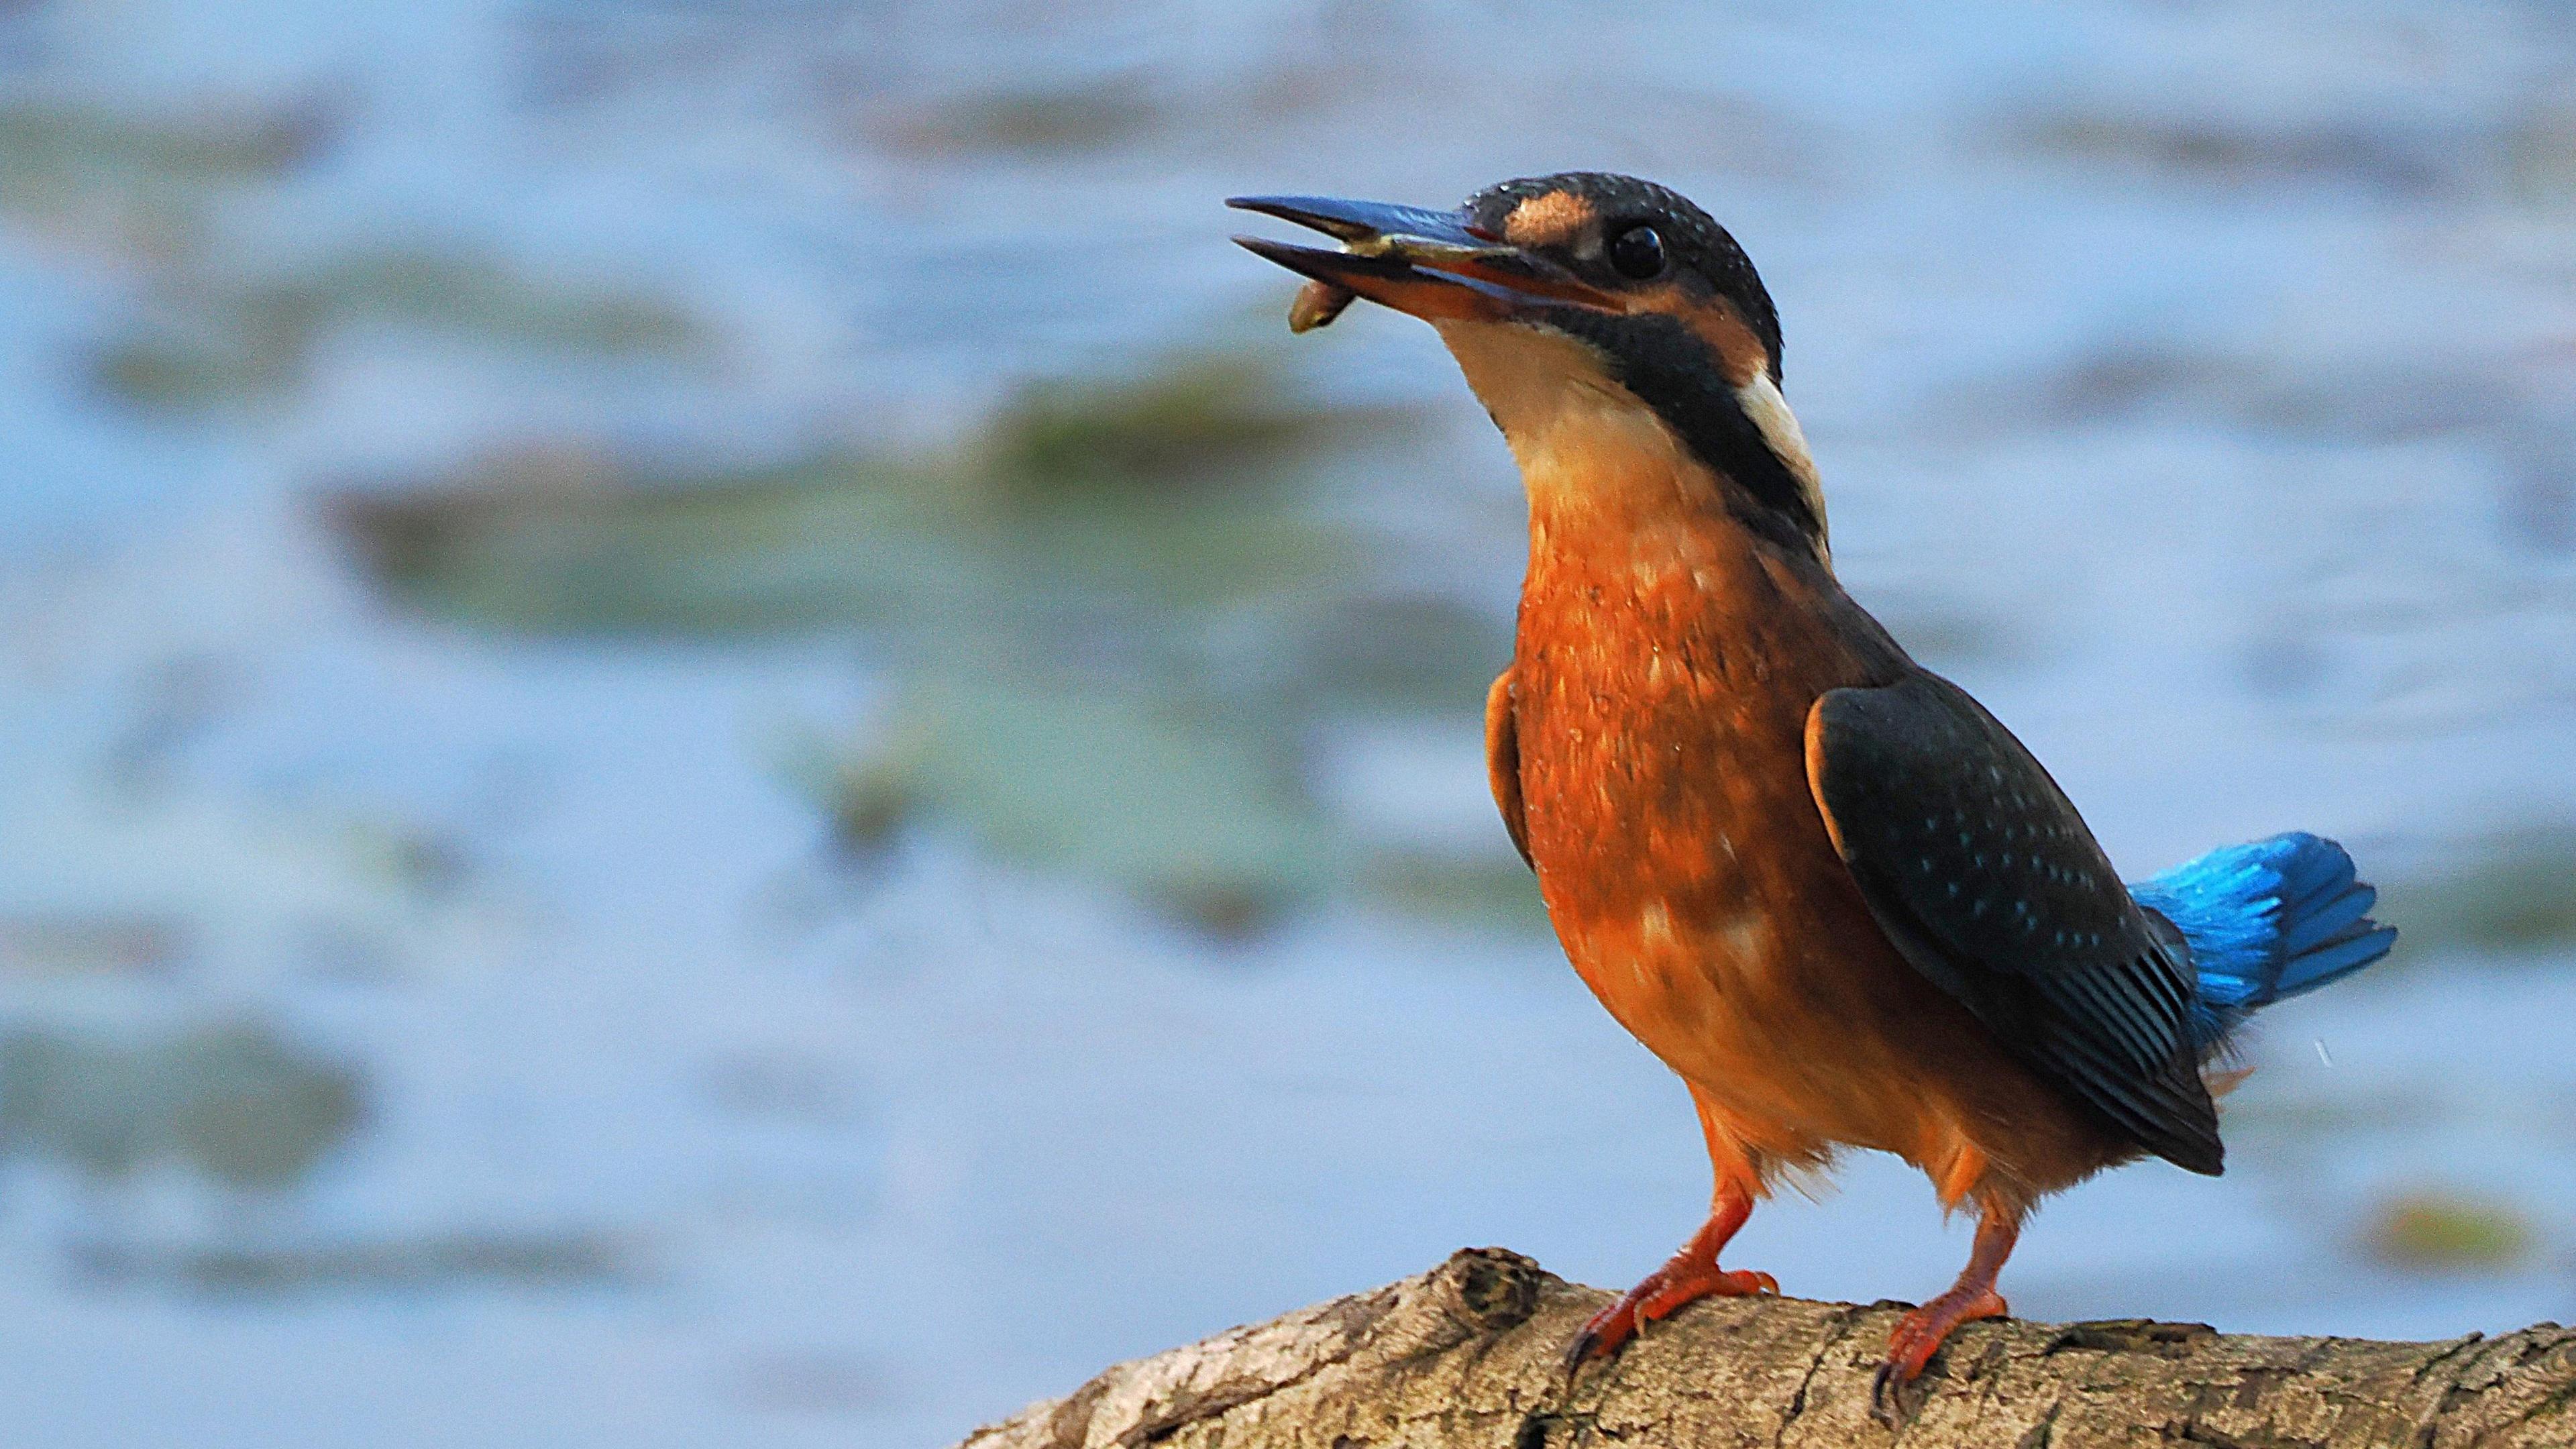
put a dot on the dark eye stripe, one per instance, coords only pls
(1657, 357)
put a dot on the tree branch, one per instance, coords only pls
(1466, 1356)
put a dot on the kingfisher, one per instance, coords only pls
(1820, 882)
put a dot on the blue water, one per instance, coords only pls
(2192, 382)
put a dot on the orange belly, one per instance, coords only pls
(1661, 709)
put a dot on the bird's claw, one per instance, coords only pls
(1887, 1395)
(1918, 1336)
(1602, 1336)
(1660, 1296)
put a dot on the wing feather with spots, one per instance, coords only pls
(1987, 880)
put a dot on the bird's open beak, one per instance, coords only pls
(1433, 264)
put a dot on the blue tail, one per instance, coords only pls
(2266, 921)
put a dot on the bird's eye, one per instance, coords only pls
(1638, 253)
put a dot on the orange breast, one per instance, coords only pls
(1662, 684)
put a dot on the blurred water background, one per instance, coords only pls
(706, 735)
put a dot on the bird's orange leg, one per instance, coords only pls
(1919, 1334)
(1692, 1273)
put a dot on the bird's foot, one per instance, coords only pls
(1918, 1336)
(1664, 1291)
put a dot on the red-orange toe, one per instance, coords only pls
(1918, 1336)
(1663, 1293)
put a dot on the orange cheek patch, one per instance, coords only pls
(1740, 354)
(1550, 220)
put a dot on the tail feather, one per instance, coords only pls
(2264, 921)
(2322, 922)
(2321, 898)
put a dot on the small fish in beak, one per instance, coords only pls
(1317, 304)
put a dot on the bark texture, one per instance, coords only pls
(1466, 1356)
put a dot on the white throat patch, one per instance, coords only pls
(1576, 432)
(1770, 413)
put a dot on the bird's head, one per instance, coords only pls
(1618, 336)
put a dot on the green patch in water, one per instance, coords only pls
(235, 1103)
(138, 182)
(561, 541)
(1115, 616)
(42, 945)
(1182, 805)
(221, 340)
(440, 1261)
(1196, 418)
(47, 138)
(2440, 1231)
(188, 369)
(2513, 893)
(1061, 121)
(1171, 491)
(2384, 156)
